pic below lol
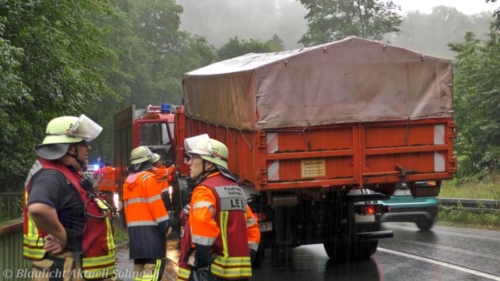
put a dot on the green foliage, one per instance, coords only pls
(496, 15)
(460, 217)
(235, 47)
(121, 235)
(472, 187)
(330, 20)
(477, 103)
(152, 55)
(51, 54)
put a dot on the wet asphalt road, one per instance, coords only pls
(444, 253)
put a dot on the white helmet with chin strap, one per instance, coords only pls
(210, 150)
(62, 131)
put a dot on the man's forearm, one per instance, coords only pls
(45, 217)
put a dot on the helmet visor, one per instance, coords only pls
(85, 128)
(199, 145)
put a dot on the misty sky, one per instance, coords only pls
(464, 6)
(218, 20)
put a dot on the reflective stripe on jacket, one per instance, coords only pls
(218, 219)
(98, 244)
(107, 181)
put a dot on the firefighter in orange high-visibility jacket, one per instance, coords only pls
(220, 218)
(164, 176)
(146, 216)
(107, 185)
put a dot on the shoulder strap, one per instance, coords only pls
(72, 177)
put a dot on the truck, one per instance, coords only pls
(318, 135)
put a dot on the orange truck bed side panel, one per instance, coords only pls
(333, 156)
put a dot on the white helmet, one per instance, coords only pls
(208, 149)
(63, 131)
(155, 158)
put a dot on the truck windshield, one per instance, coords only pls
(153, 134)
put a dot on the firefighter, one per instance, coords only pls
(107, 184)
(224, 232)
(146, 216)
(67, 228)
(164, 176)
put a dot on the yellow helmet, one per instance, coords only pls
(140, 154)
(63, 131)
(208, 149)
(71, 129)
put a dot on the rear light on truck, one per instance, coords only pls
(260, 216)
(371, 209)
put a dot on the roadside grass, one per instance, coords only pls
(121, 235)
(487, 188)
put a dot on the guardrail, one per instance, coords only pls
(11, 205)
(477, 206)
(12, 264)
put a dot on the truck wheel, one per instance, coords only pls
(259, 258)
(425, 225)
(338, 251)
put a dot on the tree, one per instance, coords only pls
(496, 15)
(330, 20)
(235, 47)
(152, 57)
(477, 103)
(51, 65)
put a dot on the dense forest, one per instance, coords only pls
(60, 57)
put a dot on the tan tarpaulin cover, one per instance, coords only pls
(352, 80)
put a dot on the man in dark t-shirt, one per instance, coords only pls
(67, 228)
(51, 188)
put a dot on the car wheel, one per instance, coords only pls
(425, 225)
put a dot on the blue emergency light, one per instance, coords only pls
(165, 108)
(96, 167)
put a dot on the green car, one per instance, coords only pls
(405, 208)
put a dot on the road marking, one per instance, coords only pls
(463, 269)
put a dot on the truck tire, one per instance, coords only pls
(338, 252)
(425, 225)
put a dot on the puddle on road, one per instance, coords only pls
(125, 266)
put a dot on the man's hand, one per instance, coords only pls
(54, 245)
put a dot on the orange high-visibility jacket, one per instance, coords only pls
(145, 214)
(164, 176)
(216, 205)
(107, 181)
